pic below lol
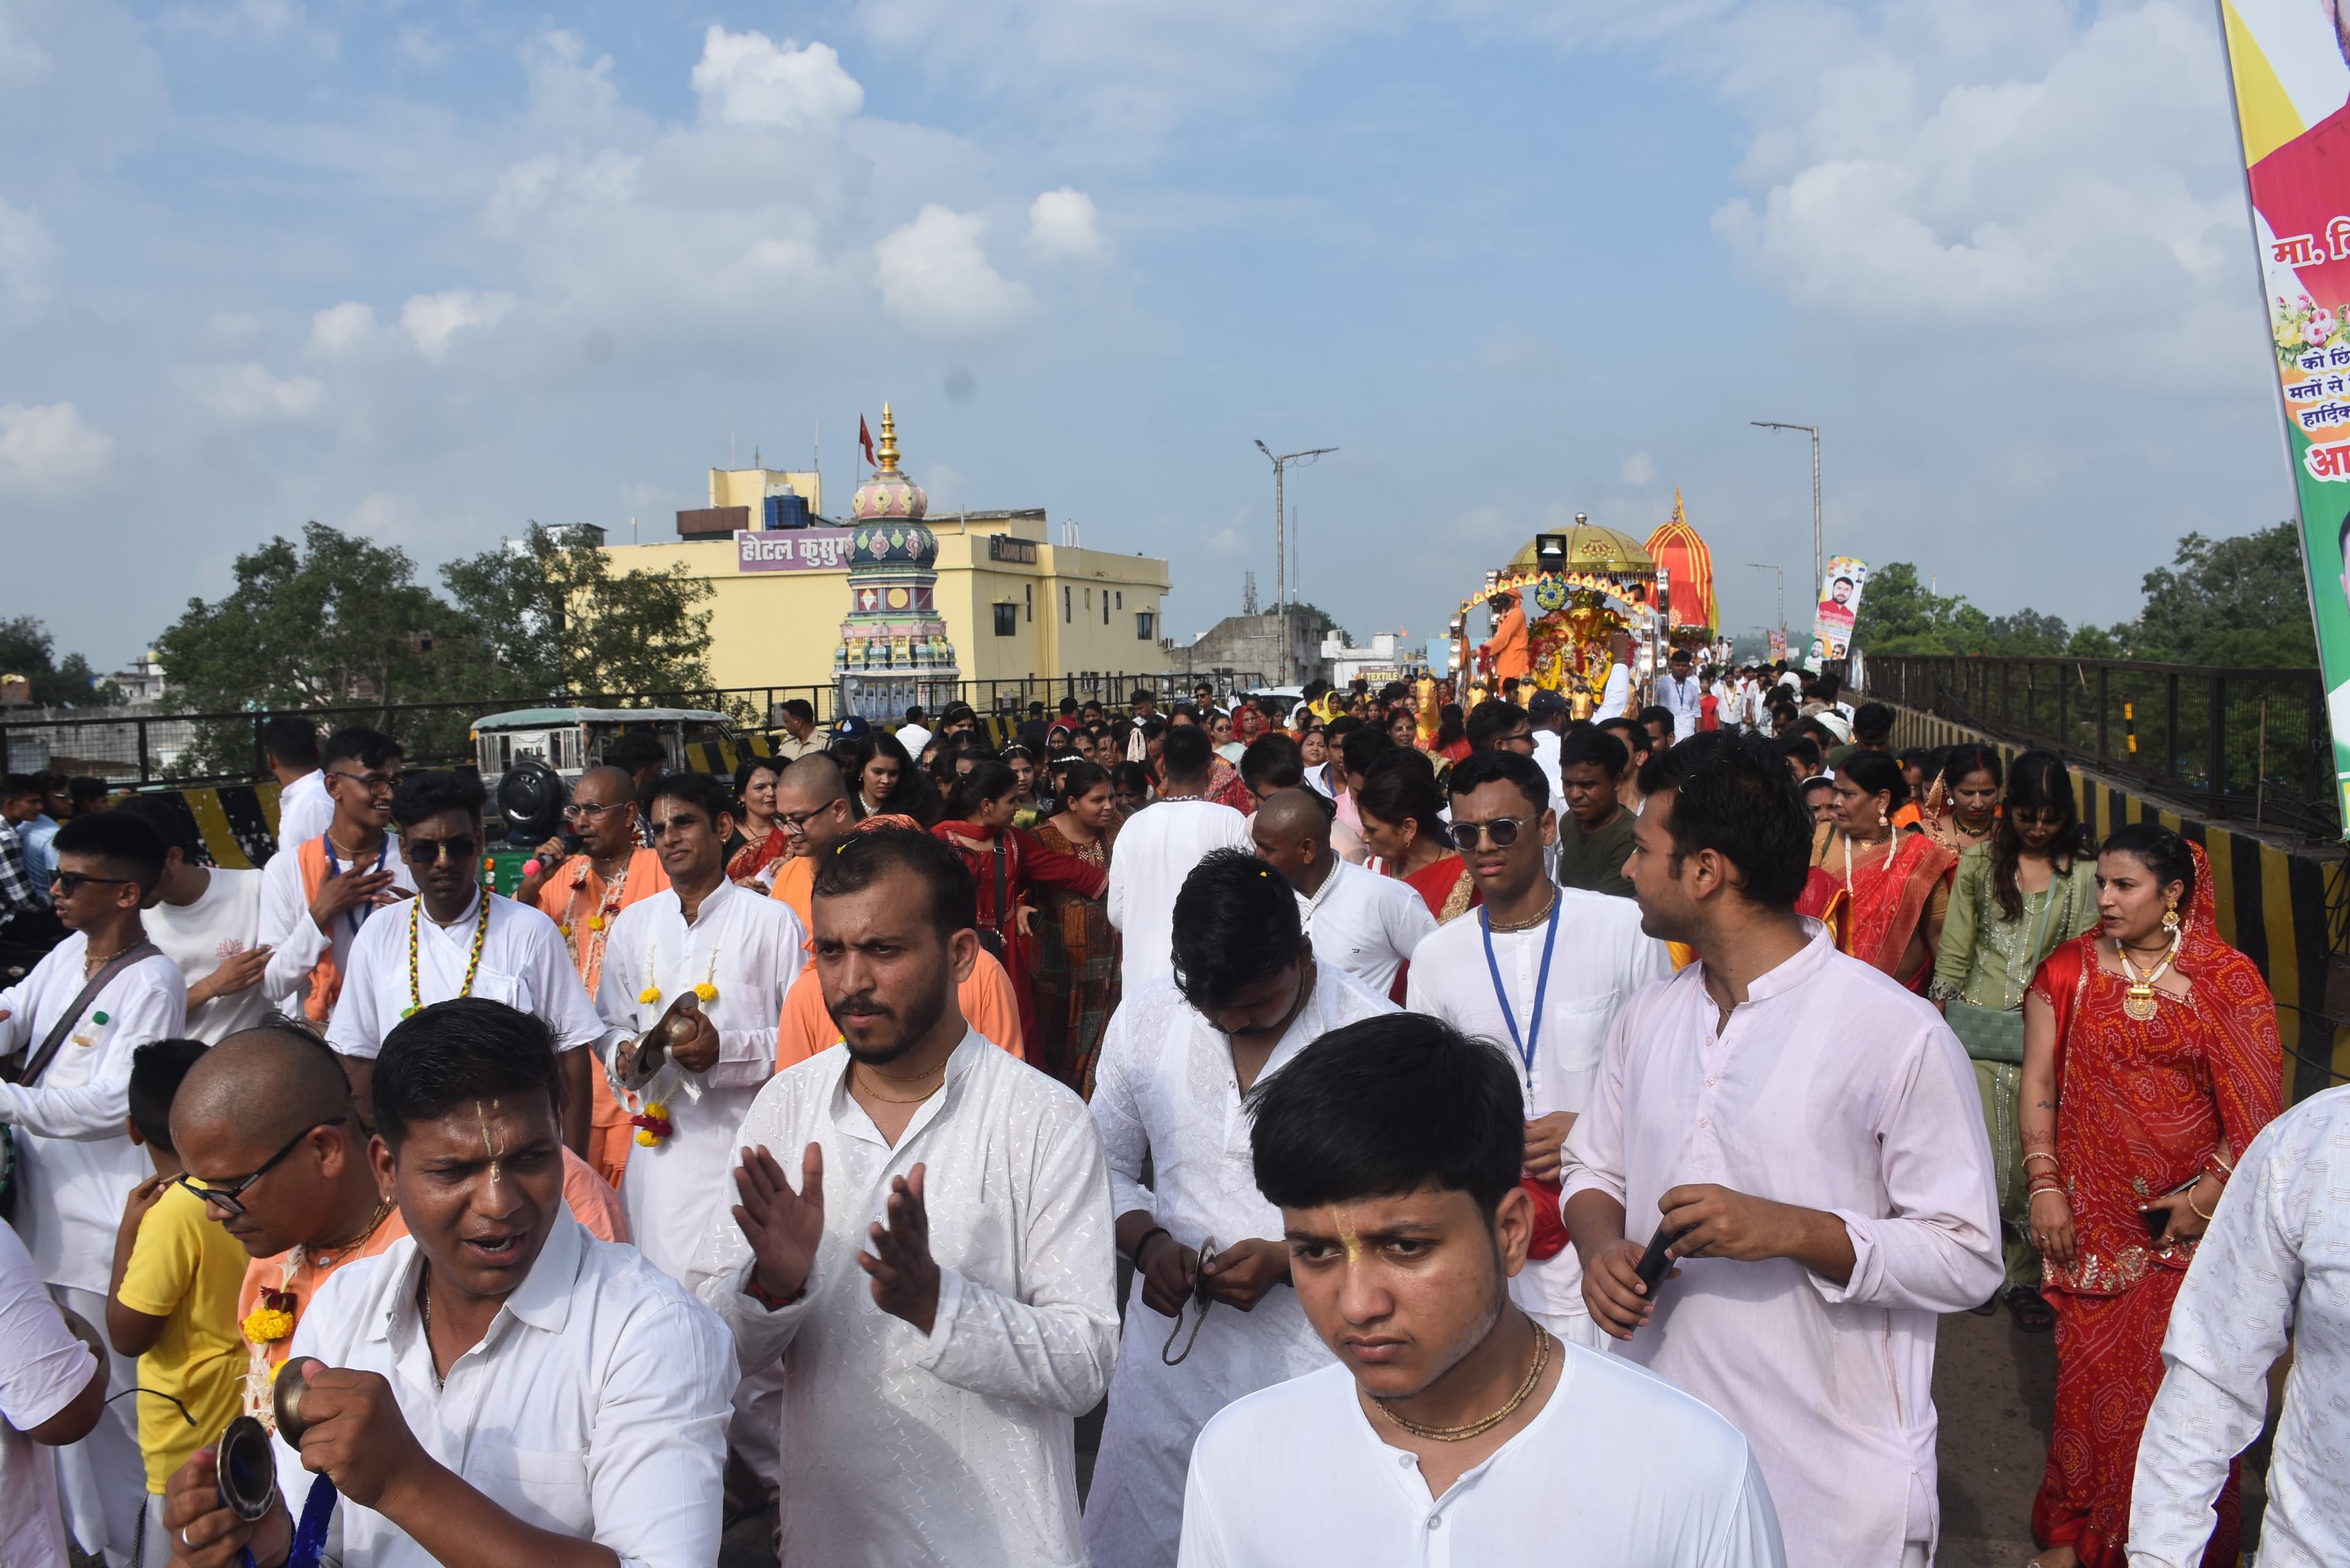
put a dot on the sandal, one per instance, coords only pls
(2031, 1309)
(1985, 1310)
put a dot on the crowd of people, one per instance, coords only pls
(1523, 1132)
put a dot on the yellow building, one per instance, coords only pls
(1016, 605)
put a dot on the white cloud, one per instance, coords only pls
(48, 448)
(744, 78)
(1064, 226)
(28, 256)
(341, 329)
(430, 320)
(1639, 468)
(937, 281)
(248, 394)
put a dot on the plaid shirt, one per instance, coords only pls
(18, 893)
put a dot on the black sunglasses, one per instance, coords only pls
(427, 851)
(68, 883)
(225, 1198)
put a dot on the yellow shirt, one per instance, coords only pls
(185, 1269)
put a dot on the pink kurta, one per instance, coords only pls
(1832, 1088)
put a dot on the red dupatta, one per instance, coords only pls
(1888, 894)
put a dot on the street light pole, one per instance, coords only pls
(1819, 562)
(1281, 519)
(1780, 572)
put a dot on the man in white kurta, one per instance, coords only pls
(749, 949)
(523, 964)
(1361, 922)
(307, 908)
(1600, 960)
(1167, 1100)
(1832, 1088)
(304, 809)
(955, 1448)
(2269, 1273)
(1157, 849)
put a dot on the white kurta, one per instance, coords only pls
(1157, 849)
(595, 1406)
(958, 1449)
(749, 949)
(523, 964)
(75, 1165)
(1832, 1088)
(224, 921)
(2274, 1269)
(305, 810)
(1685, 700)
(1618, 1467)
(1602, 959)
(1165, 1094)
(295, 937)
(1365, 923)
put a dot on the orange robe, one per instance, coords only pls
(1512, 661)
(574, 899)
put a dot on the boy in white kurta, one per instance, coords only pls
(1177, 1070)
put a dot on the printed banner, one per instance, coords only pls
(1839, 604)
(2290, 62)
(793, 549)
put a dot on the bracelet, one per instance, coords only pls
(767, 1298)
(1135, 1257)
(2198, 1212)
(2044, 1191)
(2039, 1154)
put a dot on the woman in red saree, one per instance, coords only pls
(1896, 881)
(1008, 863)
(2150, 1056)
(761, 841)
(1402, 828)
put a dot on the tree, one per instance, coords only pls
(2228, 602)
(552, 620)
(27, 649)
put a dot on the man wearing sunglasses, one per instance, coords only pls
(1544, 970)
(597, 868)
(315, 895)
(1179, 1066)
(458, 938)
(67, 1110)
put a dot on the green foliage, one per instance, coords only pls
(551, 618)
(2239, 602)
(26, 649)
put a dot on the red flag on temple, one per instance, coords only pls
(864, 440)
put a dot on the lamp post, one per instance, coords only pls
(1819, 562)
(1780, 574)
(1280, 536)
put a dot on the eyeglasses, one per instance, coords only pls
(68, 883)
(575, 811)
(374, 784)
(225, 1196)
(1503, 831)
(430, 851)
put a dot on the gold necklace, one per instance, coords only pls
(895, 1100)
(1462, 1434)
(325, 1254)
(2138, 1001)
(92, 963)
(1525, 925)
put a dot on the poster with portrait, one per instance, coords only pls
(1839, 606)
(2289, 61)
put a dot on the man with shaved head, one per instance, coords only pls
(587, 875)
(1360, 921)
(813, 811)
(263, 1123)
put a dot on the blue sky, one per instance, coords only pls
(426, 271)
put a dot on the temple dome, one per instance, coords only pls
(889, 496)
(1593, 548)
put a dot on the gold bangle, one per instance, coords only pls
(2059, 1192)
(2031, 1154)
(2198, 1212)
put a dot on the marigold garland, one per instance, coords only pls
(273, 1320)
(652, 1124)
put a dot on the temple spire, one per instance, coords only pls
(888, 448)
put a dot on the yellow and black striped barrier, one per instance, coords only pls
(2270, 902)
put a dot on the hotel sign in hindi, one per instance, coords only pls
(793, 549)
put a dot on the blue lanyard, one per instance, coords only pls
(333, 871)
(1526, 1044)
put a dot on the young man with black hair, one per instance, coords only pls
(315, 895)
(1679, 693)
(1596, 837)
(1249, 994)
(740, 952)
(1657, 720)
(640, 754)
(98, 995)
(171, 1299)
(1362, 922)
(1453, 1428)
(1499, 726)
(1157, 849)
(796, 719)
(455, 939)
(939, 1283)
(1272, 762)
(1633, 736)
(28, 926)
(207, 920)
(39, 830)
(289, 745)
(1808, 1132)
(1544, 970)
(497, 1387)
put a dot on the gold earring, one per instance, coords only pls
(2171, 916)
(1882, 819)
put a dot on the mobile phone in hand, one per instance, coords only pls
(1655, 1261)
